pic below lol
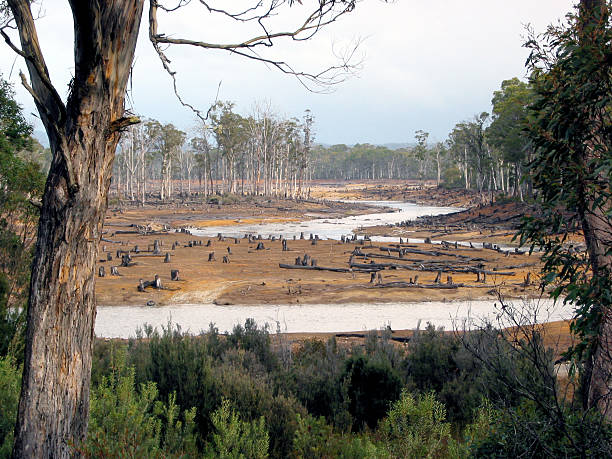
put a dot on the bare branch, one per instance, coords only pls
(326, 12)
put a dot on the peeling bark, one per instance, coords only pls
(54, 405)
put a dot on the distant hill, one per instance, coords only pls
(390, 146)
(398, 145)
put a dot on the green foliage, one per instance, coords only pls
(130, 422)
(510, 110)
(10, 385)
(316, 379)
(315, 439)
(371, 386)
(21, 181)
(237, 439)
(570, 125)
(438, 361)
(525, 431)
(416, 427)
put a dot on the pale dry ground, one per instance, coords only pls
(254, 277)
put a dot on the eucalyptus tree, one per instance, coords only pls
(202, 162)
(166, 142)
(508, 129)
(570, 121)
(229, 129)
(83, 134)
(420, 151)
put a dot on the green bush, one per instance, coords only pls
(126, 422)
(371, 387)
(10, 385)
(316, 439)
(526, 431)
(237, 439)
(416, 427)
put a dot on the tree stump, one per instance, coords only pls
(211, 256)
(125, 260)
(157, 283)
(379, 279)
(260, 246)
(427, 240)
(156, 249)
(109, 256)
(372, 277)
(284, 245)
(174, 274)
(449, 280)
(229, 250)
(313, 262)
(141, 285)
(298, 261)
(136, 249)
(302, 235)
(416, 279)
(438, 277)
(114, 271)
(225, 259)
(167, 258)
(208, 243)
(314, 242)
(101, 272)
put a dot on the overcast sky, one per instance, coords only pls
(427, 64)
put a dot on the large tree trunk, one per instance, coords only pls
(54, 405)
(594, 210)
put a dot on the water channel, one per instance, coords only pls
(122, 321)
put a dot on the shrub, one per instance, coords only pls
(371, 387)
(125, 422)
(10, 385)
(316, 439)
(237, 439)
(416, 427)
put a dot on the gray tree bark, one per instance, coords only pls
(83, 135)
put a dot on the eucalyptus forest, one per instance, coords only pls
(238, 288)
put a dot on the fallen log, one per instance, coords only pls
(322, 268)
(409, 285)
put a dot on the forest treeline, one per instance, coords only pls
(266, 154)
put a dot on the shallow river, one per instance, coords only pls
(122, 321)
(332, 228)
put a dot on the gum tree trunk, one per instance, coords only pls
(594, 210)
(83, 134)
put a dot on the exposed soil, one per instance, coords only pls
(397, 190)
(254, 276)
